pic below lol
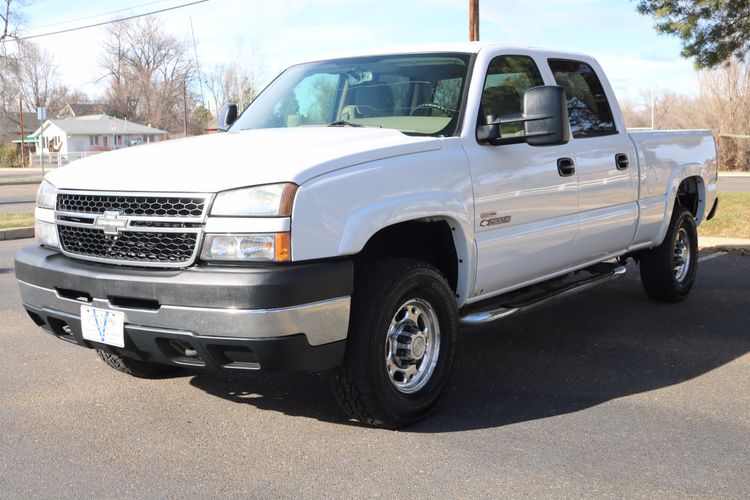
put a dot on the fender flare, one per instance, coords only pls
(676, 177)
(366, 221)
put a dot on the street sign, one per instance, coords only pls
(41, 113)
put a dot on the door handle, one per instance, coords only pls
(622, 161)
(566, 167)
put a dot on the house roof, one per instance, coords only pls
(10, 123)
(101, 125)
(79, 109)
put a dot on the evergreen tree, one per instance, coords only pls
(712, 31)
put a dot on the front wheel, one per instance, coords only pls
(401, 345)
(133, 367)
(668, 271)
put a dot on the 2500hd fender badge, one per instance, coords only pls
(494, 221)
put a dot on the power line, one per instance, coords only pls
(98, 15)
(108, 22)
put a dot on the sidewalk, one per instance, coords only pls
(12, 176)
(713, 243)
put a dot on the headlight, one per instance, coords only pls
(271, 200)
(46, 197)
(274, 247)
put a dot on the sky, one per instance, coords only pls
(282, 32)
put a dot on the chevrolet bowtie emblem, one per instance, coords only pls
(111, 222)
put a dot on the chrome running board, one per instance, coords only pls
(524, 299)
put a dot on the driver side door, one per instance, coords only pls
(526, 197)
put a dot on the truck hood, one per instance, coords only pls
(217, 162)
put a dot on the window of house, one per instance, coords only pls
(508, 78)
(588, 110)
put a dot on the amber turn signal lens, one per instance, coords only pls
(283, 247)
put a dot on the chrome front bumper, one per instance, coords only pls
(321, 322)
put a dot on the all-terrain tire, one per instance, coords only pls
(668, 271)
(401, 344)
(134, 367)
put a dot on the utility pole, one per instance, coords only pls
(184, 103)
(198, 66)
(20, 117)
(473, 20)
(653, 113)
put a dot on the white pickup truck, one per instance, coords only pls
(358, 212)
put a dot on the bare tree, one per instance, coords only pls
(237, 81)
(9, 24)
(725, 106)
(10, 19)
(38, 78)
(722, 105)
(148, 71)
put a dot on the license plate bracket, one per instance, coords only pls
(103, 326)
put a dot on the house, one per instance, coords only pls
(80, 109)
(212, 126)
(83, 134)
(10, 126)
(10, 131)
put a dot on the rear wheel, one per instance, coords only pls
(134, 367)
(668, 271)
(401, 345)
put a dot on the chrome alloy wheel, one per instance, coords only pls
(412, 346)
(681, 255)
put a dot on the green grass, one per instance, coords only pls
(16, 220)
(732, 220)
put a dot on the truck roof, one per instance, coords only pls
(463, 47)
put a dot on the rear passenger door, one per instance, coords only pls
(605, 162)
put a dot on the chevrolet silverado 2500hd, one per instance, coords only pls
(359, 211)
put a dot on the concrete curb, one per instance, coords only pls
(19, 183)
(16, 233)
(713, 243)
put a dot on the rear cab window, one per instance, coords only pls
(589, 111)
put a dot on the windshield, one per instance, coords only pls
(416, 94)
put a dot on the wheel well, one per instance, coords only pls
(428, 241)
(688, 195)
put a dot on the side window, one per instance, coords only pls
(588, 110)
(508, 78)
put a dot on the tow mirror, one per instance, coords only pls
(227, 116)
(544, 119)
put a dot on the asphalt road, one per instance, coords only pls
(734, 184)
(604, 394)
(18, 198)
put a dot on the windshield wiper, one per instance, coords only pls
(344, 123)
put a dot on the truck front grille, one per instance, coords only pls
(151, 206)
(138, 229)
(171, 248)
